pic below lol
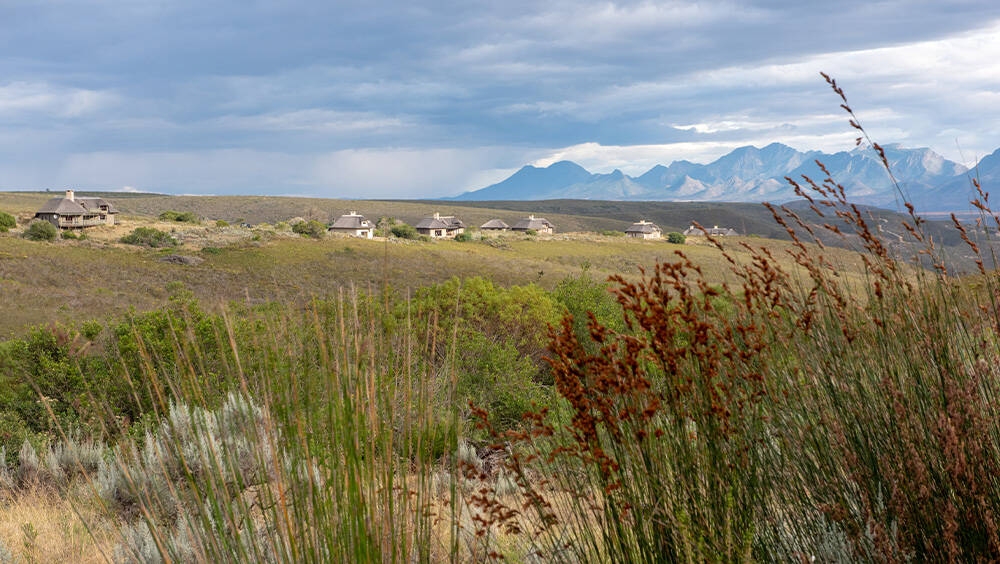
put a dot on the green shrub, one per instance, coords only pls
(149, 237)
(7, 222)
(222, 223)
(182, 217)
(211, 250)
(423, 238)
(281, 226)
(69, 235)
(403, 231)
(41, 231)
(311, 228)
(676, 238)
(463, 237)
(530, 232)
(611, 233)
(383, 227)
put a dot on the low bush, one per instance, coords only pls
(530, 232)
(69, 235)
(611, 233)
(182, 217)
(463, 237)
(222, 223)
(211, 250)
(7, 222)
(41, 231)
(149, 237)
(403, 231)
(311, 228)
(676, 238)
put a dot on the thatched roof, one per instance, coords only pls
(643, 227)
(352, 220)
(532, 222)
(76, 206)
(62, 206)
(438, 221)
(494, 224)
(715, 231)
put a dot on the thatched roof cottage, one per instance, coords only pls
(539, 224)
(71, 212)
(644, 230)
(354, 225)
(440, 226)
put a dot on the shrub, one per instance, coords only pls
(530, 232)
(403, 231)
(311, 228)
(463, 237)
(69, 235)
(611, 233)
(149, 237)
(7, 222)
(41, 231)
(676, 238)
(182, 217)
(222, 223)
(211, 250)
(281, 226)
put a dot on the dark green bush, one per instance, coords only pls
(676, 238)
(611, 233)
(312, 228)
(7, 222)
(41, 231)
(403, 231)
(222, 223)
(149, 237)
(463, 237)
(211, 250)
(530, 232)
(69, 235)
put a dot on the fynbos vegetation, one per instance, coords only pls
(779, 415)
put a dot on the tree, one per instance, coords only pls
(676, 238)
(41, 231)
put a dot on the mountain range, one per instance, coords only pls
(751, 174)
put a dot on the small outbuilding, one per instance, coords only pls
(715, 231)
(539, 224)
(644, 230)
(354, 225)
(494, 225)
(440, 226)
(71, 212)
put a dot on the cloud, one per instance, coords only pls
(435, 97)
(22, 100)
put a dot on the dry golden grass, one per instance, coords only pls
(39, 525)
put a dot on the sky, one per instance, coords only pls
(374, 99)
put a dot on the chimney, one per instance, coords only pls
(70, 196)
(716, 227)
(532, 216)
(353, 212)
(437, 215)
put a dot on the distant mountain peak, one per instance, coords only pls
(752, 174)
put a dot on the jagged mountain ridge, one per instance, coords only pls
(751, 174)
